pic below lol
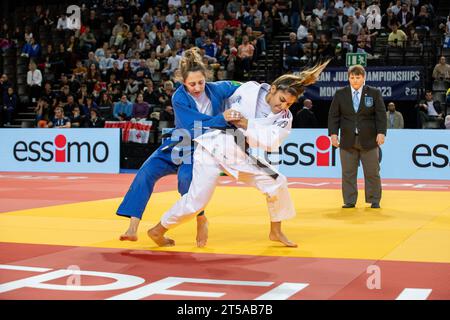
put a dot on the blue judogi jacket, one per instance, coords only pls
(186, 112)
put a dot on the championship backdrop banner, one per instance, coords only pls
(406, 154)
(60, 150)
(395, 83)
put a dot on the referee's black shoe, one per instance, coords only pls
(348, 205)
(375, 205)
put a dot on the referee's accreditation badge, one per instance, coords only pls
(368, 102)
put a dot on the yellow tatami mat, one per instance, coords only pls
(411, 226)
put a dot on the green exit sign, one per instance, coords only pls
(356, 58)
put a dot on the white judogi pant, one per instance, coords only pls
(205, 175)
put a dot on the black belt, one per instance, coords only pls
(238, 134)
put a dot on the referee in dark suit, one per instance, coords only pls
(358, 111)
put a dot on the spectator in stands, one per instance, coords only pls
(80, 71)
(123, 109)
(9, 105)
(135, 61)
(93, 76)
(233, 7)
(43, 112)
(59, 120)
(179, 33)
(207, 8)
(404, 17)
(87, 40)
(324, 49)
(423, 20)
(166, 92)
(414, 40)
(313, 23)
(90, 104)
(4, 85)
(131, 89)
(245, 54)
(396, 7)
(172, 64)
(69, 105)
(302, 32)
(340, 20)
(359, 18)
(220, 23)
(121, 60)
(394, 118)
(447, 122)
(175, 3)
(343, 47)
(205, 22)
(167, 114)
(430, 110)
(267, 23)
(293, 52)
(375, 6)
(310, 48)
(141, 109)
(348, 9)
(105, 105)
(76, 118)
(115, 72)
(259, 33)
(397, 38)
(62, 22)
(305, 118)
(142, 42)
(163, 51)
(95, 120)
(34, 82)
(48, 92)
(353, 26)
(330, 16)
(234, 23)
(150, 95)
(339, 4)
(366, 36)
(388, 19)
(92, 59)
(319, 10)
(106, 63)
(373, 20)
(31, 50)
(442, 70)
(210, 48)
(117, 31)
(154, 67)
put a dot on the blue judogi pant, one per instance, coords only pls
(158, 165)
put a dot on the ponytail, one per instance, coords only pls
(295, 85)
(192, 62)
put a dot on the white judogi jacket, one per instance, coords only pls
(262, 133)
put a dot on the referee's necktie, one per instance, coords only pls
(356, 105)
(356, 101)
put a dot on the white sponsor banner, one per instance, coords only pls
(60, 150)
(406, 154)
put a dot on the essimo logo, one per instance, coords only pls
(320, 153)
(59, 150)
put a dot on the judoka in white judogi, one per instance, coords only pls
(219, 151)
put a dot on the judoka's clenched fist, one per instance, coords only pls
(232, 115)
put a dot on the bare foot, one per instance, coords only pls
(128, 236)
(202, 231)
(282, 238)
(159, 239)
